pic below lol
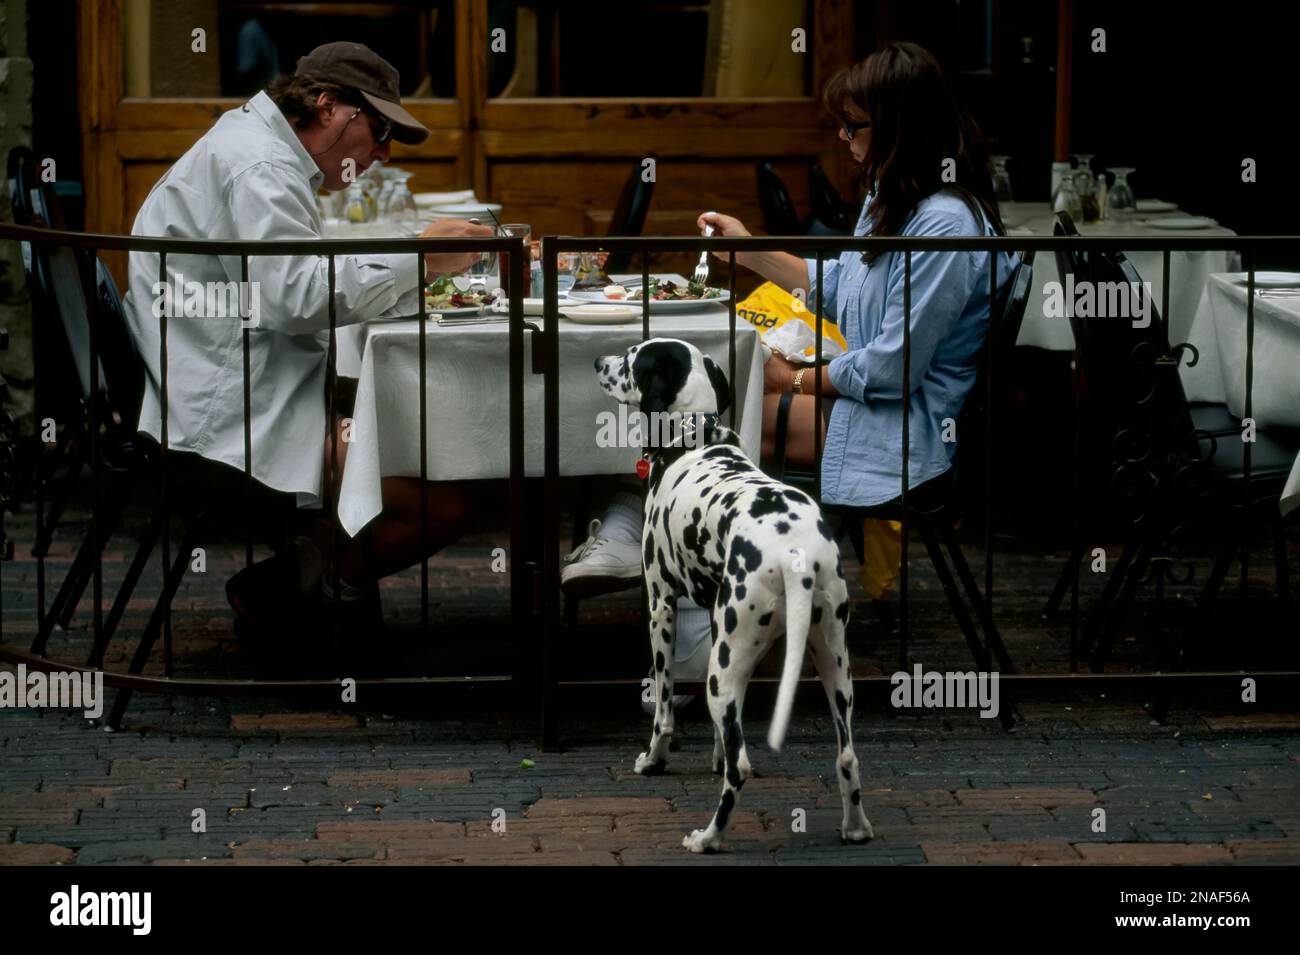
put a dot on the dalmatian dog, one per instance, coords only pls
(756, 551)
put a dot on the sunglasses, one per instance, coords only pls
(385, 132)
(851, 129)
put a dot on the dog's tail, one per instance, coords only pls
(799, 583)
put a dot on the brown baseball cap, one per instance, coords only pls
(357, 66)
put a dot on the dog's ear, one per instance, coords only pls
(719, 381)
(660, 370)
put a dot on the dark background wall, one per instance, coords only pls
(1184, 92)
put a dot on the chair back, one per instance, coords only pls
(56, 281)
(629, 214)
(829, 209)
(987, 408)
(779, 214)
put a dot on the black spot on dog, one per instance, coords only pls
(740, 591)
(764, 620)
(856, 797)
(745, 558)
(656, 729)
(824, 528)
(729, 620)
(807, 583)
(767, 500)
(844, 770)
(782, 527)
(817, 567)
(842, 705)
(713, 685)
(659, 661)
(725, 805)
(724, 654)
(842, 612)
(817, 614)
(724, 590)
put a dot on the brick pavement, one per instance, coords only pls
(283, 786)
(380, 783)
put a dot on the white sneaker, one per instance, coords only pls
(694, 667)
(601, 566)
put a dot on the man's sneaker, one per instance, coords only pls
(601, 566)
(694, 667)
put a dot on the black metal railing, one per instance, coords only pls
(534, 586)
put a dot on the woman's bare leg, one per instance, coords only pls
(799, 441)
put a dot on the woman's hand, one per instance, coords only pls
(728, 226)
(448, 263)
(778, 374)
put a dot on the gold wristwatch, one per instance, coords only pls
(798, 380)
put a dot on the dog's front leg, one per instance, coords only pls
(663, 638)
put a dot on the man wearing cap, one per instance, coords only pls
(255, 175)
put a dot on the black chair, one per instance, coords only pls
(779, 214)
(1164, 463)
(829, 210)
(935, 506)
(198, 492)
(830, 214)
(629, 215)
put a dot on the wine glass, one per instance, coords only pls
(1120, 199)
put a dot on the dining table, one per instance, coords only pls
(466, 389)
(1188, 271)
(1219, 331)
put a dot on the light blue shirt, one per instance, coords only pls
(862, 462)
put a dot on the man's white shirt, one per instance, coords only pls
(250, 177)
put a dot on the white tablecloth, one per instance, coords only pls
(1219, 333)
(467, 398)
(1188, 272)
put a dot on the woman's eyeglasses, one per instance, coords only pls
(851, 129)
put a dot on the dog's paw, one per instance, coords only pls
(857, 836)
(645, 766)
(699, 841)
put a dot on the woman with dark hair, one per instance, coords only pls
(926, 173)
(925, 169)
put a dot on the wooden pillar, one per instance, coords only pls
(1064, 72)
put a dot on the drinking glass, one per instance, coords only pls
(522, 231)
(1120, 199)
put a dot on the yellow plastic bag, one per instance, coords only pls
(882, 543)
(769, 307)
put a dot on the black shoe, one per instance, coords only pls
(265, 586)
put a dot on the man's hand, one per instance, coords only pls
(723, 226)
(445, 263)
(778, 374)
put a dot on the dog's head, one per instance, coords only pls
(665, 375)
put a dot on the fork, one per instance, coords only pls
(701, 275)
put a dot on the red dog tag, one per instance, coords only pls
(643, 469)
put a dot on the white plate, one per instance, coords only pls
(597, 314)
(598, 296)
(1270, 279)
(467, 310)
(465, 210)
(424, 200)
(1155, 205)
(1181, 223)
